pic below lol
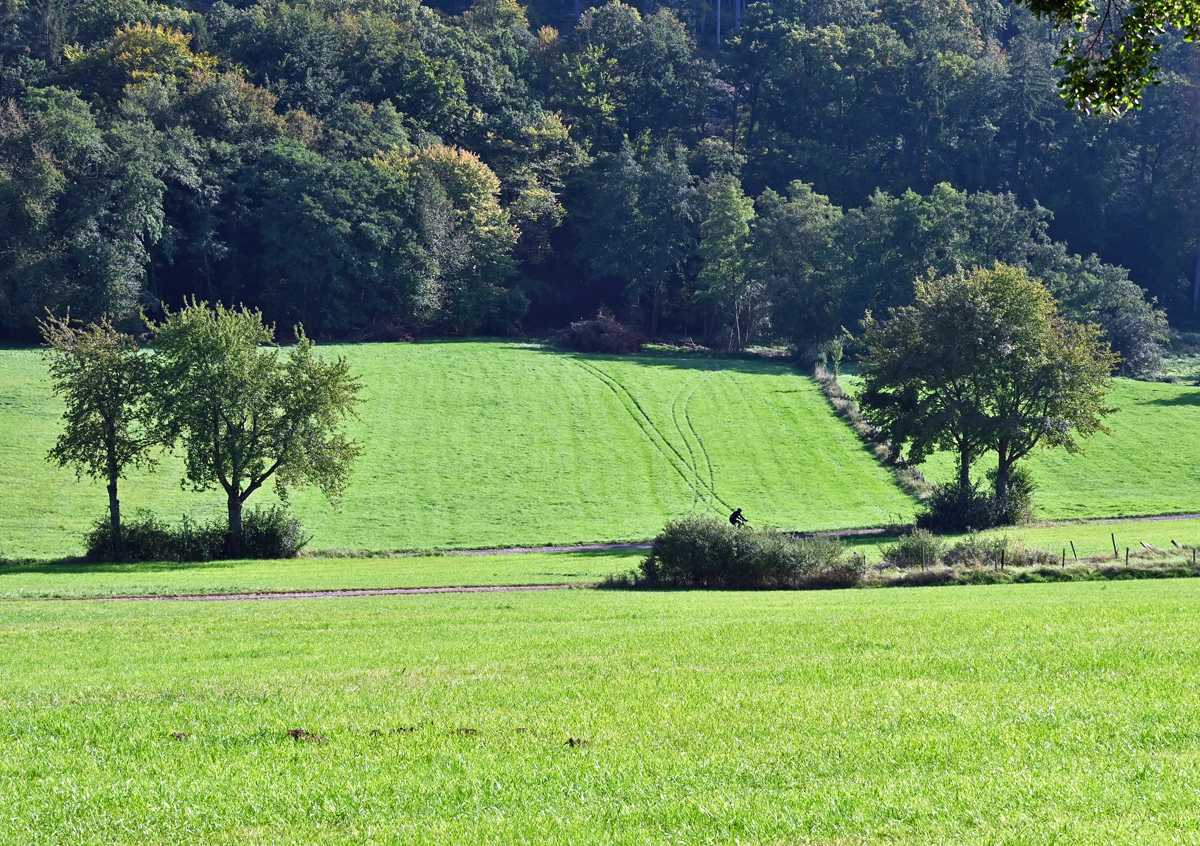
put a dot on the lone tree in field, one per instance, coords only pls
(982, 361)
(246, 413)
(104, 380)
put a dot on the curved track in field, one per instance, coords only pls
(702, 489)
(686, 428)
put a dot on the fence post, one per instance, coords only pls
(1115, 553)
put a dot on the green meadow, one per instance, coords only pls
(1021, 714)
(477, 444)
(71, 579)
(1143, 467)
(488, 443)
(1018, 714)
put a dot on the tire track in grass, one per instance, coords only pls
(683, 433)
(696, 498)
(646, 424)
(694, 464)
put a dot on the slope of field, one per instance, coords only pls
(1023, 714)
(1146, 466)
(490, 444)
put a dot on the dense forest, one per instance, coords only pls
(723, 171)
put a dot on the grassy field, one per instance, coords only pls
(1027, 714)
(71, 580)
(492, 444)
(1143, 467)
(471, 444)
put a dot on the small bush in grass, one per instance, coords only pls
(698, 551)
(919, 549)
(271, 533)
(953, 509)
(266, 533)
(975, 550)
(144, 537)
(600, 335)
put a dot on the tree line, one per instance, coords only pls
(734, 172)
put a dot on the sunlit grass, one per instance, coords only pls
(1023, 714)
(68, 579)
(474, 444)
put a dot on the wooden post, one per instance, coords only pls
(1193, 556)
(1074, 554)
(1064, 563)
(1115, 553)
(1002, 559)
(1126, 556)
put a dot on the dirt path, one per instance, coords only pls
(593, 547)
(585, 547)
(325, 594)
(1130, 519)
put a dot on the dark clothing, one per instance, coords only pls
(736, 518)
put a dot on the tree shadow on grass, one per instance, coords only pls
(1184, 399)
(682, 360)
(65, 566)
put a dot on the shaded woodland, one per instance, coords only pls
(728, 172)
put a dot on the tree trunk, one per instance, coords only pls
(233, 543)
(1002, 468)
(964, 469)
(114, 517)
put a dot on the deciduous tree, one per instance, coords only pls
(982, 361)
(1110, 56)
(104, 380)
(246, 413)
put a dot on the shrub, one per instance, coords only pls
(144, 537)
(951, 508)
(917, 550)
(698, 551)
(975, 550)
(1017, 506)
(603, 334)
(266, 533)
(272, 533)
